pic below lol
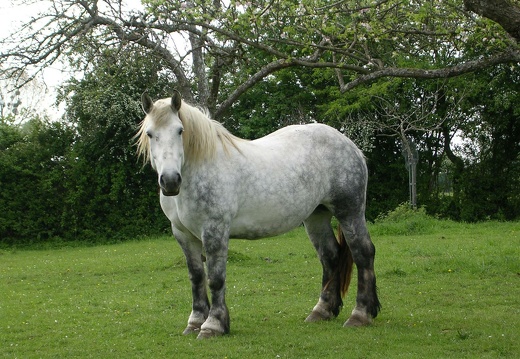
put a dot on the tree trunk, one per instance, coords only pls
(504, 12)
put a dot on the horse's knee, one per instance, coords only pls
(216, 283)
(363, 254)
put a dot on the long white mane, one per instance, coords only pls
(201, 134)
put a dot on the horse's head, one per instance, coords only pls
(161, 140)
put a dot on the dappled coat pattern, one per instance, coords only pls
(215, 186)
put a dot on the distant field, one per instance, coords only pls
(448, 291)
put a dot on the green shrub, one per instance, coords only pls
(405, 220)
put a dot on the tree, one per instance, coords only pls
(79, 179)
(491, 163)
(504, 12)
(9, 104)
(109, 196)
(282, 99)
(363, 41)
(24, 98)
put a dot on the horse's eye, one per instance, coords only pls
(149, 134)
(181, 130)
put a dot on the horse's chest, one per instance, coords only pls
(202, 201)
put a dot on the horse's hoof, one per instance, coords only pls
(316, 317)
(208, 333)
(190, 329)
(357, 320)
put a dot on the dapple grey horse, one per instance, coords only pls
(215, 186)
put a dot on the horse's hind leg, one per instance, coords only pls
(363, 252)
(320, 232)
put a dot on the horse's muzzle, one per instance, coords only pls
(170, 183)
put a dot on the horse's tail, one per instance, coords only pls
(345, 263)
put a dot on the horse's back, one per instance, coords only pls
(316, 147)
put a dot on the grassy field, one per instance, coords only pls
(448, 291)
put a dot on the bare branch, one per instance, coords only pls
(512, 55)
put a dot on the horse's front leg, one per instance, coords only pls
(215, 240)
(192, 248)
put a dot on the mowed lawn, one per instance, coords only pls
(448, 291)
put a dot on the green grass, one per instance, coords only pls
(448, 291)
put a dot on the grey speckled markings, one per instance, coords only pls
(215, 186)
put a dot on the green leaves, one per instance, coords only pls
(80, 178)
(32, 172)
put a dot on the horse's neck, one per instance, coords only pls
(228, 157)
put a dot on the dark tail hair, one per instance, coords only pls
(345, 263)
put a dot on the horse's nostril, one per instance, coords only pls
(166, 179)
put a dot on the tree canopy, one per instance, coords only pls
(203, 43)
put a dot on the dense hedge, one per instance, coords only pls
(48, 192)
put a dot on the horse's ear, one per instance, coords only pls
(176, 101)
(146, 102)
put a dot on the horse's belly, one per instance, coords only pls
(270, 218)
(255, 228)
